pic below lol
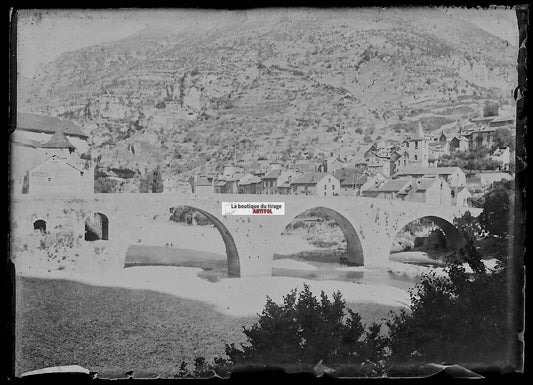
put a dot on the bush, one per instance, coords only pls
(456, 319)
(305, 331)
(189, 216)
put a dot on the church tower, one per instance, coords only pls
(416, 148)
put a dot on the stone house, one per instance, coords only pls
(284, 181)
(40, 129)
(460, 196)
(202, 185)
(250, 184)
(433, 191)
(58, 176)
(316, 183)
(454, 176)
(270, 182)
(460, 143)
(60, 170)
(351, 180)
(389, 189)
(335, 163)
(482, 138)
(503, 155)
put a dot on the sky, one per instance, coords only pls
(42, 35)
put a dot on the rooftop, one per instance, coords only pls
(424, 183)
(393, 185)
(48, 124)
(417, 170)
(310, 178)
(274, 174)
(249, 179)
(59, 140)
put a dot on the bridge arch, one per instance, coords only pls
(40, 224)
(232, 254)
(354, 249)
(96, 227)
(454, 239)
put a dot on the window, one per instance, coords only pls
(333, 187)
(49, 179)
(329, 180)
(325, 187)
(324, 193)
(416, 145)
(416, 157)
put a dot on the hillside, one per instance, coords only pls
(276, 81)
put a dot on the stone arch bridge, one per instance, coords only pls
(369, 224)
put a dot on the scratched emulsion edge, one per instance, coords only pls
(517, 270)
(8, 268)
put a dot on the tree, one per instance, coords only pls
(157, 181)
(496, 216)
(460, 318)
(491, 109)
(503, 137)
(151, 182)
(305, 331)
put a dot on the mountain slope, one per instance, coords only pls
(279, 81)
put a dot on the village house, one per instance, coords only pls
(389, 189)
(379, 162)
(503, 155)
(250, 184)
(427, 190)
(433, 191)
(39, 129)
(270, 182)
(284, 181)
(372, 181)
(202, 185)
(316, 183)
(436, 151)
(454, 176)
(460, 196)
(225, 184)
(482, 138)
(351, 180)
(460, 143)
(336, 162)
(62, 171)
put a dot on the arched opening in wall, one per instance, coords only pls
(40, 225)
(96, 227)
(319, 244)
(426, 241)
(187, 237)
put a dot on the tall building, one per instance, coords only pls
(416, 148)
